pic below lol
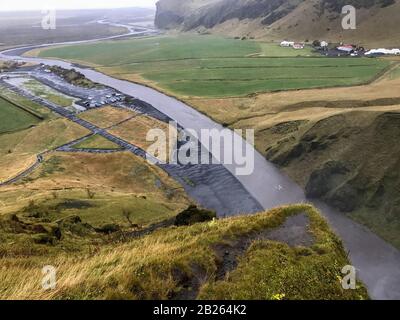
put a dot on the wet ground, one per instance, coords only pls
(204, 183)
(377, 262)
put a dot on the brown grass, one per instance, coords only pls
(264, 110)
(135, 131)
(149, 267)
(18, 150)
(116, 173)
(106, 116)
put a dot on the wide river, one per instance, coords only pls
(377, 262)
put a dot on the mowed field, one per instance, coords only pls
(106, 183)
(18, 149)
(211, 66)
(126, 124)
(96, 142)
(14, 118)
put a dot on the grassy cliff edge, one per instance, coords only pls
(234, 258)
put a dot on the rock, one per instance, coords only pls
(44, 238)
(74, 225)
(325, 179)
(109, 228)
(194, 215)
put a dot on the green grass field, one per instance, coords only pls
(43, 91)
(210, 66)
(395, 73)
(184, 263)
(14, 118)
(96, 142)
(36, 108)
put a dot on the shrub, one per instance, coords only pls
(194, 215)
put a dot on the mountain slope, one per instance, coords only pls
(377, 20)
(287, 253)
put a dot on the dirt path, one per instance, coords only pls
(22, 175)
(293, 232)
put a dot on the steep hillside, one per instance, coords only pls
(377, 20)
(350, 160)
(287, 253)
(339, 144)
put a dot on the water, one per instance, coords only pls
(377, 262)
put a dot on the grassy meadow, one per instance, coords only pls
(45, 92)
(32, 107)
(96, 142)
(14, 118)
(183, 262)
(211, 66)
(136, 129)
(18, 149)
(107, 116)
(104, 183)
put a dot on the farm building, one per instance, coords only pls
(298, 46)
(383, 51)
(346, 48)
(287, 44)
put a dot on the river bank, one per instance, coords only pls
(377, 261)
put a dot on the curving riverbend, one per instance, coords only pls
(377, 262)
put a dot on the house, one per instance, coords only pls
(324, 44)
(347, 48)
(287, 44)
(298, 46)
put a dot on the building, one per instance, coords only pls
(298, 46)
(287, 44)
(324, 44)
(346, 48)
(383, 51)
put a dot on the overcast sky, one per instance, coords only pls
(11, 5)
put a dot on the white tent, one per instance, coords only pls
(287, 44)
(383, 51)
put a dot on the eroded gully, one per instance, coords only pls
(377, 262)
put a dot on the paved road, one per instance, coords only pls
(22, 175)
(205, 183)
(378, 262)
(71, 116)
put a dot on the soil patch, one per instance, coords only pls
(293, 232)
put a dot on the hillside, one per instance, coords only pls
(280, 254)
(242, 84)
(377, 20)
(339, 144)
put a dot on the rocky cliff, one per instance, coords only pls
(377, 20)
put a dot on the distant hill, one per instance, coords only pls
(377, 20)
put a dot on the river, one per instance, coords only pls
(377, 262)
